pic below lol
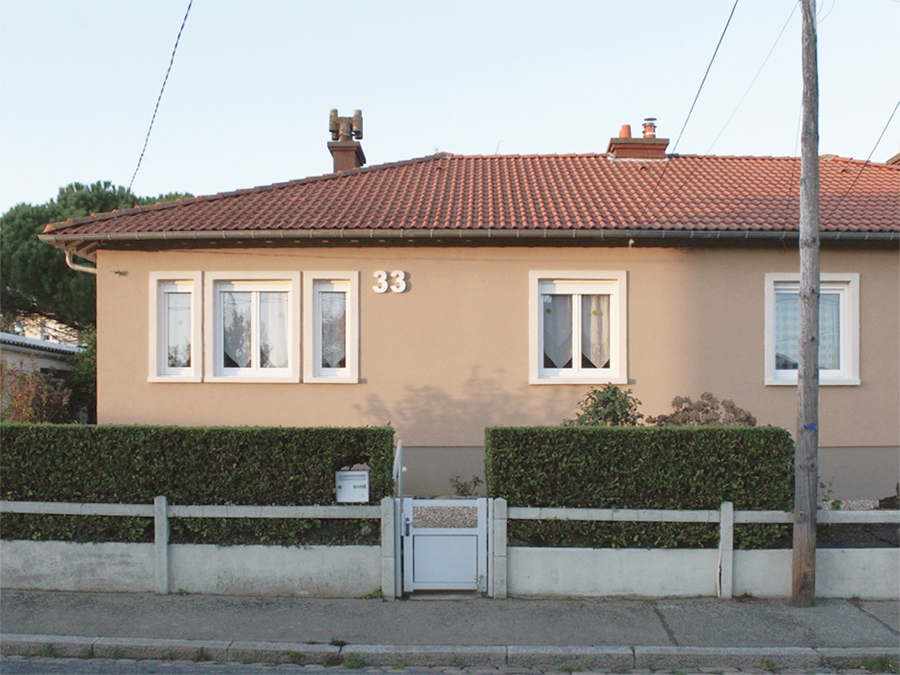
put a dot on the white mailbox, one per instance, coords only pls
(352, 486)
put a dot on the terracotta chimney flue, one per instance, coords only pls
(347, 152)
(646, 147)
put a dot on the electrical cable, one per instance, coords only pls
(159, 98)
(755, 77)
(867, 162)
(703, 81)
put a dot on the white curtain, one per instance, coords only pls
(332, 312)
(595, 331)
(557, 321)
(273, 329)
(787, 330)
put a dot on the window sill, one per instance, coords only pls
(252, 379)
(174, 378)
(331, 380)
(578, 380)
(831, 382)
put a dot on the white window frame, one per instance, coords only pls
(313, 372)
(613, 283)
(847, 287)
(160, 284)
(252, 281)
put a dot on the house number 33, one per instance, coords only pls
(396, 284)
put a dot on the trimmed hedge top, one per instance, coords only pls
(639, 468)
(189, 465)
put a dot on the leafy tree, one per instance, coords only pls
(609, 406)
(28, 395)
(34, 278)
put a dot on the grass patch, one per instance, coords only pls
(353, 662)
(47, 651)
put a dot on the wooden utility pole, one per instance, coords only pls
(806, 458)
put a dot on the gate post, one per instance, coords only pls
(388, 550)
(498, 549)
(161, 543)
(726, 550)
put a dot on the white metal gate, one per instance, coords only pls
(444, 544)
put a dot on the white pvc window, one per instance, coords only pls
(175, 344)
(331, 328)
(838, 328)
(578, 327)
(255, 329)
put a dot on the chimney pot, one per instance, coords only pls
(346, 151)
(625, 131)
(650, 127)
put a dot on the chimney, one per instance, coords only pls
(347, 153)
(648, 147)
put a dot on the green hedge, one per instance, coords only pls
(641, 468)
(189, 465)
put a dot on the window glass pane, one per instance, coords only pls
(595, 331)
(333, 308)
(236, 326)
(830, 331)
(787, 330)
(178, 330)
(557, 320)
(273, 329)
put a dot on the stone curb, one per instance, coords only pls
(541, 657)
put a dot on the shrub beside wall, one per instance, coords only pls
(641, 468)
(189, 465)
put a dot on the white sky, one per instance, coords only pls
(248, 98)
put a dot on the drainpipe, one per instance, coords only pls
(79, 268)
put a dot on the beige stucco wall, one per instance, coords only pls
(449, 357)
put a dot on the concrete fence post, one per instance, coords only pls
(726, 550)
(388, 550)
(498, 556)
(161, 543)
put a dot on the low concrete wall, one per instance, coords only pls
(71, 566)
(867, 573)
(872, 574)
(319, 571)
(602, 572)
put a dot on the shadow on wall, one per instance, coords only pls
(434, 416)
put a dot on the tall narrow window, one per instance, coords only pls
(838, 329)
(331, 327)
(255, 328)
(578, 327)
(175, 328)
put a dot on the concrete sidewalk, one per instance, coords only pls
(611, 634)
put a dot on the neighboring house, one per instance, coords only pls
(449, 293)
(36, 354)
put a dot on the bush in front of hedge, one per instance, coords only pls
(684, 468)
(189, 465)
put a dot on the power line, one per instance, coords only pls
(161, 90)
(702, 82)
(708, 68)
(755, 77)
(868, 160)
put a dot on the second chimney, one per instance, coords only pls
(648, 147)
(347, 153)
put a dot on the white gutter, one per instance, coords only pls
(79, 268)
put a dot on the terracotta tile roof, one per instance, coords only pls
(548, 193)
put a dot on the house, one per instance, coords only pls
(39, 354)
(449, 293)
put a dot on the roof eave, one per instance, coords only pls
(84, 245)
